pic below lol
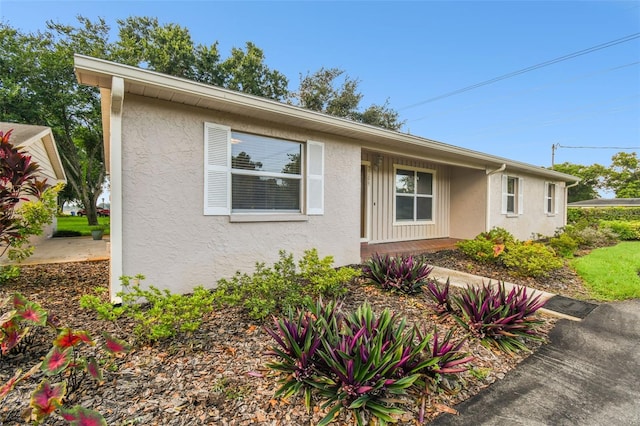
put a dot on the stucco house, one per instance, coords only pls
(206, 181)
(38, 142)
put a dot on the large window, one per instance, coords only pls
(414, 195)
(266, 174)
(247, 173)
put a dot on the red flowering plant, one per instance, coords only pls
(18, 182)
(64, 367)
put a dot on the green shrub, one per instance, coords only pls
(594, 215)
(530, 259)
(157, 314)
(8, 272)
(281, 288)
(487, 246)
(479, 249)
(320, 278)
(626, 230)
(589, 236)
(563, 244)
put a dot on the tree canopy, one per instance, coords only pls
(622, 177)
(323, 91)
(38, 85)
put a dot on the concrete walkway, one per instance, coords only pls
(60, 250)
(589, 374)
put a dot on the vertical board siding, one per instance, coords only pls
(381, 205)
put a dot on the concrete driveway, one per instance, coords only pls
(589, 374)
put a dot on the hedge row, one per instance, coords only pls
(596, 214)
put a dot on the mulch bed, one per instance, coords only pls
(216, 375)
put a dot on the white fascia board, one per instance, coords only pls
(98, 72)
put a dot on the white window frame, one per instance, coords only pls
(517, 196)
(415, 221)
(218, 172)
(551, 199)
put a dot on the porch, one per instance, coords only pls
(407, 247)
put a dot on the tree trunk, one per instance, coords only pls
(90, 207)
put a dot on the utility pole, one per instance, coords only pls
(553, 153)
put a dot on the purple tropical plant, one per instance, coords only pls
(404, 274)
(367, 362)
(500, 317)
(440, 296)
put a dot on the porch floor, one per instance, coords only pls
(407, 247)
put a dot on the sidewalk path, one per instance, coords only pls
(60, 250)
(588, 374)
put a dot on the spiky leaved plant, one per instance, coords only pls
(440, 296)
(298, 339)
(405, 274)
(439, 357)
(366, 363)
(500, 317)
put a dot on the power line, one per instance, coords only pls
(521, 92)
(528, 69)
(597, 147)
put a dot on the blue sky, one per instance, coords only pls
(411, 52)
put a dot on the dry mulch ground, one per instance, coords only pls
(218, 374)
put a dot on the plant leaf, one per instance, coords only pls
(80, 416)
(56, 361)
(7, 387)
(46, 398)
(114, 345)
(94, 369)
(69, 338)
(32, 312)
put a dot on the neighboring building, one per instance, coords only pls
(607, 202)
(38, 142)
(206, 181)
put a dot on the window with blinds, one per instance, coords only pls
(249, 173)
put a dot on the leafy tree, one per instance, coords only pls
(591, 179)
(323, 92)
(39, 76)
(169, 49)
(623, 176)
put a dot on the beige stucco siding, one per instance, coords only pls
(533, 219)
(167, 237)
(468, 202)
(383, 228)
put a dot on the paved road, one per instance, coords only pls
(589, 374)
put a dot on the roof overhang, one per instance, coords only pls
(25, 135)
(99, 73)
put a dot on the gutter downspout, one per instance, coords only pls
(566, 200)
(115, 153)
(488, 209)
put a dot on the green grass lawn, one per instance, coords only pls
(611, 273)
(80, 224)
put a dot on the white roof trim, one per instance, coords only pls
(99, 73)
